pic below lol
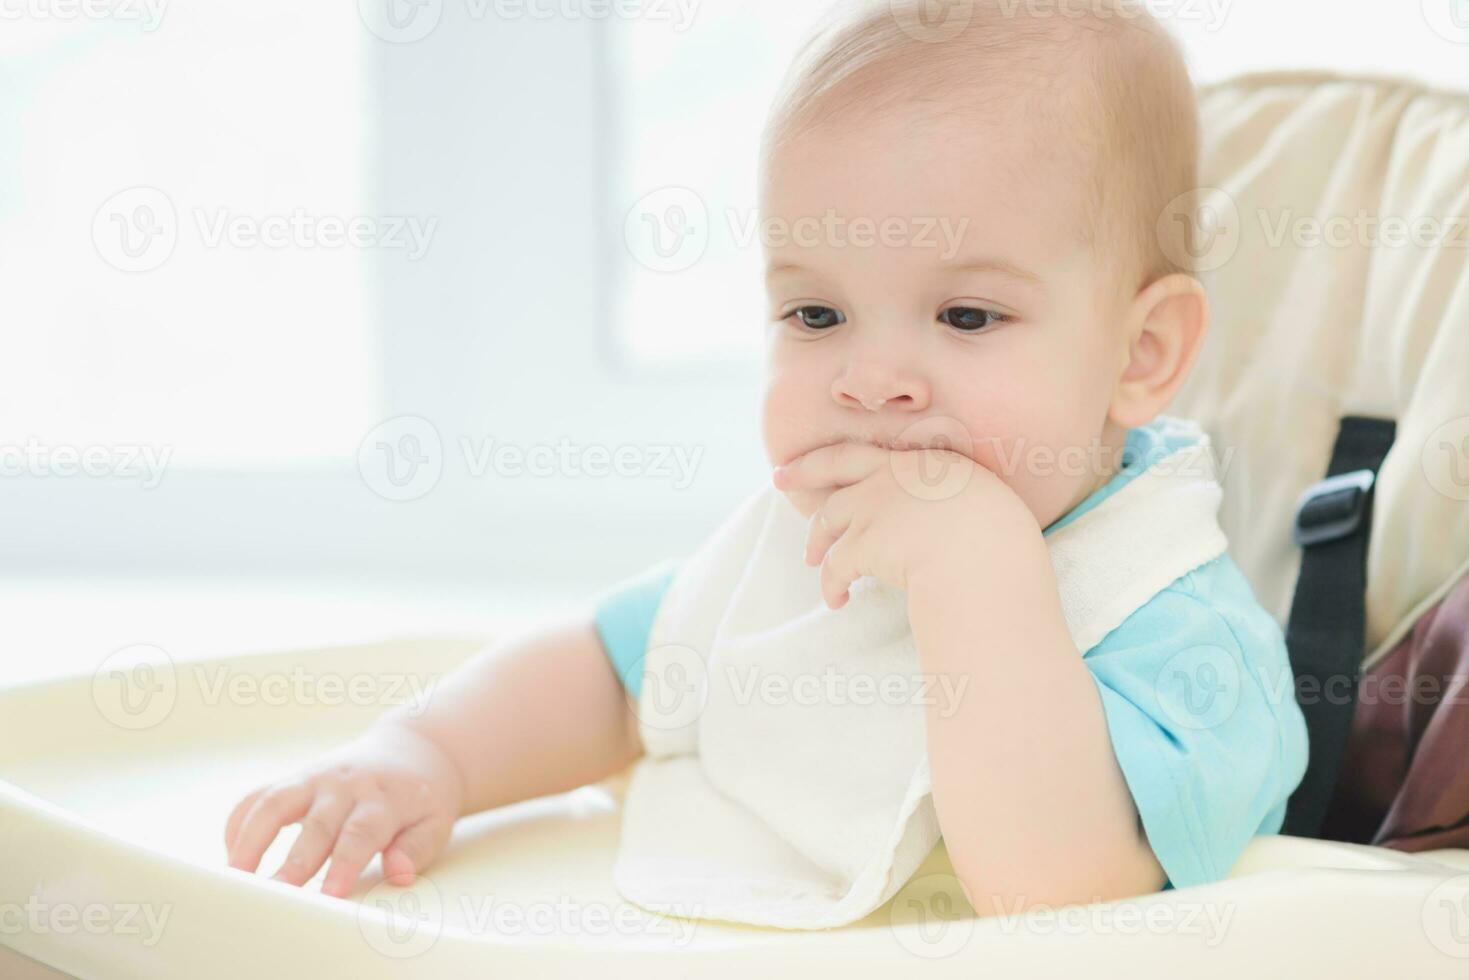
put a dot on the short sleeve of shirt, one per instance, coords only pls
(624, 613)
(1200, 706)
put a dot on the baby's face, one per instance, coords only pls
(971, 319)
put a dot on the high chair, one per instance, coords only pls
(1335, 388)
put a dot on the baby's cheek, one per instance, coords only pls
(1031, 467)
(797, 412)
(1023, 422)
(784, 415)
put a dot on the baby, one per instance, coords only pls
(1031, 365)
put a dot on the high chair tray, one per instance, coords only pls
(115, 786)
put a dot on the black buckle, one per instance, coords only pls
(1333, 508)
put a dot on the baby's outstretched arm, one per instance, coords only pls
(536, 713)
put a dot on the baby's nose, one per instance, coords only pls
(874, 392)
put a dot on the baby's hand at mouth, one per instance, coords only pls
(888, 513)
(817, 473)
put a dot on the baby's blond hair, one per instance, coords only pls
(1103, 71)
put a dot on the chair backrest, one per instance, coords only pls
(1334, 243)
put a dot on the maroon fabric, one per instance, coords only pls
(1405, 779)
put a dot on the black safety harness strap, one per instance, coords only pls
(1326, 633)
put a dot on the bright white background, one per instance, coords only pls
(525, 139)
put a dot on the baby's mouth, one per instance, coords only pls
(892, 445)
(896, 443)
(905, 445)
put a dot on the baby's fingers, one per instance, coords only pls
(808, 502)
(368, 830)
(237, 817)
(319, 830)
(413, 849)
(275, 808)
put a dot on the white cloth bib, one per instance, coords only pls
(786, 779)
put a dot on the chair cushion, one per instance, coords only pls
(1335, 264)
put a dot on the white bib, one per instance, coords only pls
(786, 779)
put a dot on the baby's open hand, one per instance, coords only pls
(391, 789)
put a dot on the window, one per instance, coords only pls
(690, 103)
(179, 183)
(174, 292)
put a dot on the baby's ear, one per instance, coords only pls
(1164, 331)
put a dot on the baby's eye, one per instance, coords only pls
(970, 319)
(817, 317)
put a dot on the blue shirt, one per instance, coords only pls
(1195, 684)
